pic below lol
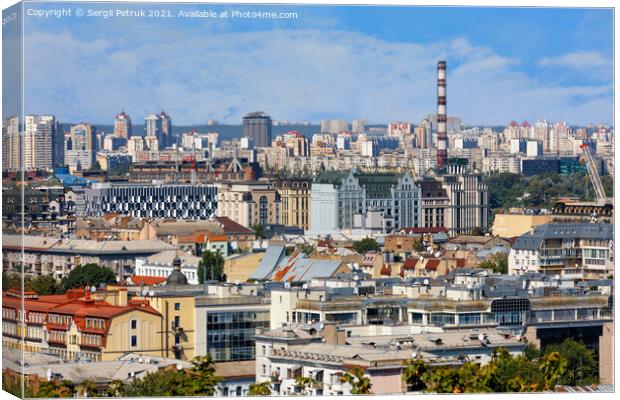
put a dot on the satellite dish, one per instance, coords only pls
(556, 277)
(414, 354)
(179, 367)
(305, 286)
(93, 289)
(151, 293)
(485, 273)
(426, 281)
(356, 277)
(481, 337)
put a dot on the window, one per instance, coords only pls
(177, 321)
(134, 340)
(177, 306)
(134, 324)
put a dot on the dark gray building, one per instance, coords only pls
(151, 200)
(257, 125)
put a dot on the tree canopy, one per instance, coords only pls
(42, 284)
(87, 275)
(582, 367)
(211, 267)
(360, 384)
(260, 389)
(498, 262)
(504, 373)
(365, 245)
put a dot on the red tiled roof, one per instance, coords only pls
(217, 238)
(386, 270)
(146, 280)
(431, 265)
(410, 263)
(231, 227)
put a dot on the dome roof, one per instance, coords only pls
(176, 278)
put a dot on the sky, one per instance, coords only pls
(347, 62)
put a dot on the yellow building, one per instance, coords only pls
(76, 323)
(512, 225)
(178, 311)
(295, 202)
(249, 203)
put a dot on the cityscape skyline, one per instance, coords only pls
(355, 61)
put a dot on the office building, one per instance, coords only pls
(337, 197)
(151, 200)
(249, 203)
(257, 125)
(295, 202)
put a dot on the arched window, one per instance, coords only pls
(263, 210)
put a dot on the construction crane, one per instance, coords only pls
(601, 197)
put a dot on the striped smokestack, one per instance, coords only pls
(442, 132)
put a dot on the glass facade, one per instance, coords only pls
(230, 334)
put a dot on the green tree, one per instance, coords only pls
(307, 249)
(202, 376)
(211, 267)
(412, 374)
(531, 352)
(162, 383)
(11, 281)
(87, 388)
(304, 382)
(498, 262)
(360, 384)
(87, 275)
(365, 245)
(260, 389)
(115, 388)
(418, 246)
(582, 368)
(55, 388)
(259, 231)
(553, 366)
(44, 284)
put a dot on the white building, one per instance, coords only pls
(160, 265)
(338, 196)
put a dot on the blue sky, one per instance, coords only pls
(343, 62)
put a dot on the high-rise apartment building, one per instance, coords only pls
(81, 147)
(257, 125)
(122, 125)
(159, 126)
(359, 125)
(43, 144)
(11, 145)
(423, 135)
(166, 130)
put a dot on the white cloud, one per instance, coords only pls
(578, 60)
(300, 74)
